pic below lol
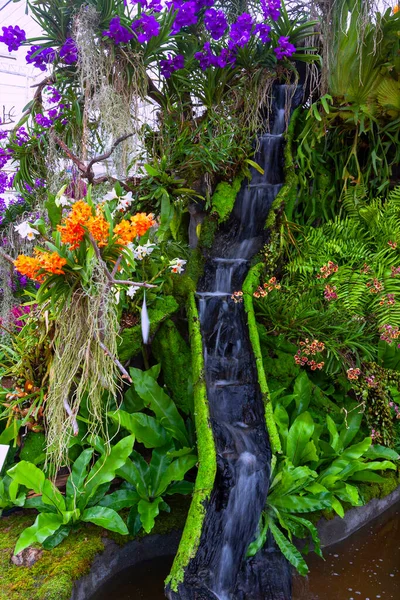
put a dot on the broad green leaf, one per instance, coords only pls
(160, 461)
(163, 407)
(134, 523)
(120, 499)
(45, 525)
(27, 474)
(75, 482)
(313, 531)
(334, 439)
(367, 477)
(302, 392)
(348, 432)
(57, 537)
(175, 472)
(106, 467)
(288, 550)
(357, 450)
(137, 473)
(105, 517)
(298, 437)
(152, 171)
(309, 454)
(281, 419)
(180, 487)
(146, 429)
(295, 504)
(378, 451)
(259, 542)
(148, 512)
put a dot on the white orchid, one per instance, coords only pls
(62, 201)
(132, 290)
(110, 195)
(141, 251)
(26, 231)
(177, 265)
(125, 202)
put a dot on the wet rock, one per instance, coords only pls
(27, 557)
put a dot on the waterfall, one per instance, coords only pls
(219, 569)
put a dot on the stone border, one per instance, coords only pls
(336, 530)
(116, 558)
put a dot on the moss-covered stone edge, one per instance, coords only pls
(288, 192)
(250, 284)
(207, 467)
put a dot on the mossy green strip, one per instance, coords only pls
(224, 198)
(250, 284)
(207, 456)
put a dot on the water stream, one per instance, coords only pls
(219, 571)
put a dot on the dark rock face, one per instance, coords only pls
(220, 570)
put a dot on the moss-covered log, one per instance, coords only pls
(250, 284)
(207, 466)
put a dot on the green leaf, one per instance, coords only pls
(148, 512)
(57, 537)
(137, 473)
(120, 499)
(46, 525)
(146, 429)
(313, 531)
(302, 392)
(134, 523)
(348, 433)
(163, 407)
(334, 439)
(288, 550)
(106, 467)
(294, 503)
(105, 517)
(175, 472)
(27, 474)
(258, 543)
(255, 165)
(180, 487)
(309, 453)
(75, 482)
(54, 212)
(152, 171)
(378, 451)
(298, 437)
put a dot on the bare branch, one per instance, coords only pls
(125, 374)
(106, 155)
(7, 257)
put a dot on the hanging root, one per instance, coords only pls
(84, 367)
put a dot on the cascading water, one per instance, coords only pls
(219, 569)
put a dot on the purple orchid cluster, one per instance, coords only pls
(153, 5)
(285, 49)
(171, 64)
(54, 115)
(215, 22)
(271, 9)
(69, 52)
(208, 59)
(13, 37)
(5, 156)
(40, 57)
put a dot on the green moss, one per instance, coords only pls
(250, 284)
(53, 575)
(208, 231)
(171, 350)
(207, 456)
(130, 343)
(34, 448)
(224, 198)
(368, 491)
